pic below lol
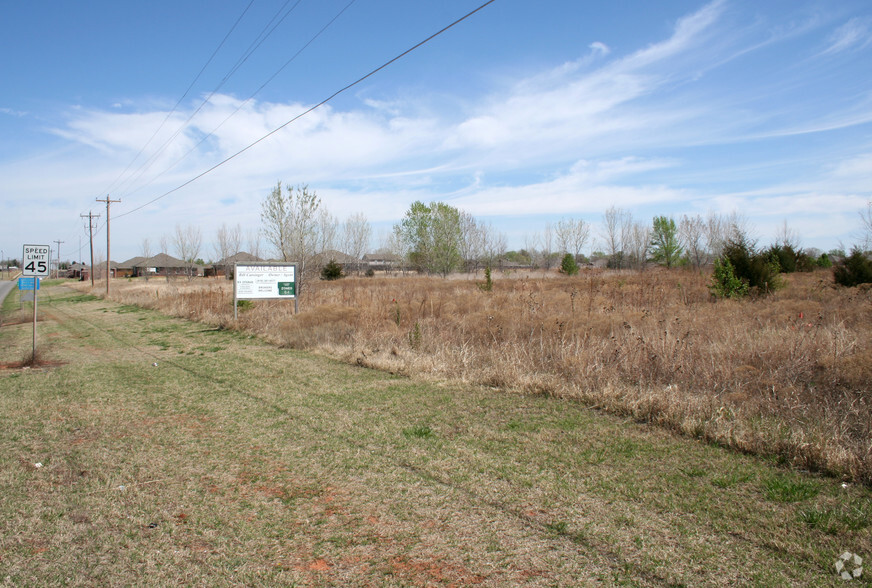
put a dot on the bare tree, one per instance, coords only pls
(493, 245)
(572, 235)
(291, 224)
(275, 221)
(692, 232)
(787, 237)
(394, 244)
(187, 242)
(547, 252)
(164, 248)
(146, 255)
(616, 231)
(357, 233)
(721, 229)
(636, 245)
(227, 243)
(326, 232)
(253, 240)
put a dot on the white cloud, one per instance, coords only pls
(600, 49)
(854, 34)
(596, 131)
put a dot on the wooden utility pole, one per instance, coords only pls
(58, 270)
(108, 256)
(91, 218)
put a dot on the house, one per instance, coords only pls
(158, 265)
(382, 261)
(347, 262)
(225, 266)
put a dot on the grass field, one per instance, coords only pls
(788, 375)
(235, 462)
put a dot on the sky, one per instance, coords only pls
(525, 113)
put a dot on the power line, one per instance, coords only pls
(312, 108)
(174, 108)
(243, 103)
(259, 40)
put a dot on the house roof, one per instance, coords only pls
(159, 260)
(381, 257)
(241, 257)
(337, 256)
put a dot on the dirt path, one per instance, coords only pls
(170, 452)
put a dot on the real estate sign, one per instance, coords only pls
(264, 281)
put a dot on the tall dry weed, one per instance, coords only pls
(787, 375)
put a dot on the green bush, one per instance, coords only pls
(789, 260)
(725, 284)
(853, 270)
(331, 271)
(758, 270)
(824, 261)
(568, 265)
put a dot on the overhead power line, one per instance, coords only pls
(312, 108)
(176, 106)
(242, 104)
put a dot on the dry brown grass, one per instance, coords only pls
(788, 375)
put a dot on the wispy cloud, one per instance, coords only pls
(600, 129)
(13, 112)
(854, 34)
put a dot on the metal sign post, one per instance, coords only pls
(35, 265)
(30, 284)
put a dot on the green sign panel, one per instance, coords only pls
(286, 288)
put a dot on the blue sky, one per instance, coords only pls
(523, 114)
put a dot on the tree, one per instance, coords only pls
(725, 283)
(636, 245)
(432, 234)
(666, 247)
(691, 231)
(227, 243)
(187, 241)
(331, 271)
(291, 224)
(146, 254)
(572, 235)
(357, 233)
(853, 270)
(615, 221)
(253, 238)
(275, 220)
(568, 265)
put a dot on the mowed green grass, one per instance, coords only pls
(232, 462)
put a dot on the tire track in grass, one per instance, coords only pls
(576, 541)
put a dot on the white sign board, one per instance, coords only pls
(258, 281)
(36, 261)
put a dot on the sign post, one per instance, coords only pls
(263, 281)
(35, 265)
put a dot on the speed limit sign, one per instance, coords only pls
(36, 261)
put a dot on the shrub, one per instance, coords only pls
(789, 260)
(853, 270)
(568, 265)
(758, 270)
(824, 261)
(724, 283)
(331, 271)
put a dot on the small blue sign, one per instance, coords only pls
(28, 283)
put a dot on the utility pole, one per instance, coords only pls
(108, 256)
(91, 218)
(58, 270)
